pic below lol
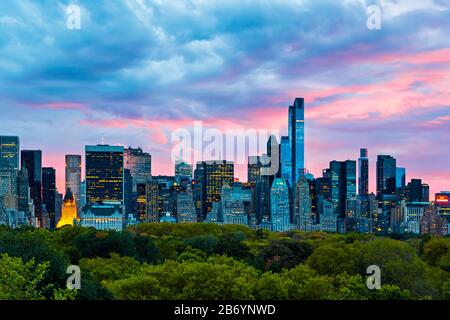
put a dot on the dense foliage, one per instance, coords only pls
(207, 261)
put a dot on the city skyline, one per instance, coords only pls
(385, 90)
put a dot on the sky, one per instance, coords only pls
(138, 70)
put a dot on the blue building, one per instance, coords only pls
(279, 206)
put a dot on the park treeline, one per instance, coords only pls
(208, 261)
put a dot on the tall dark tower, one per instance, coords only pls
(386, 175)
(49, 194)
(32, 161)
(363, 173)
(297, 138)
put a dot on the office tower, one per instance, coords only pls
(213, 175)
(148, 201)
(139, 163)
(58, 206)
(400, 178)
(49, 194)
(23, 190)
(343, 184)
(363, 173)
(9, 158)
(186, 212)
(32, 161)
(414, 191)
(386, 175)
(104, 174)
(303, 219)
(69, 210)
(128, 191)
(82, 195)
(254, 165)
(279, 206)
(236, 202)
(5, 182)
(425, 192)
(432, 223)
(297, 137)
(73, 176)
(327, 218)
(286, 160)
(183, 172)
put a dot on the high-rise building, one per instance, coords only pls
(416, 191)
(400, 178)
(363, 173)
(73, 176)
(104, 174)
(49, 194)
(9, 158)
(279, 206)
(432, 223)
(297, 137)
(386, 175)
(139, 163)
(186, 212)
(69, 210)
(303, 219)
(254, 165)
(236, 201)
(343, 184)
(148, 201)
(183, 172)
(23, 191)
(215, 174)
(32, 161)
(286, 160)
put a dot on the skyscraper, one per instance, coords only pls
(49, 194)
(286, 160)
(363, 173)
(9, 158)
(214, 175)
(400, 178)
(104, 174)
(139, 163)
(386, 175)
(279, 206)
(343, 184)
(32, 161)
(69, 210)
(297, 137)
(73, 176)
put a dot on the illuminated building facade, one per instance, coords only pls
(279, 206)
(9, 158)
(69, 210)
(139, 163)
(215, 174)
(296, 129)
(73, 176)
(186, 212)
(236, 202)
(106, 216)
(104, 174)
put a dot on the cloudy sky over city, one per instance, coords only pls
(139, 69)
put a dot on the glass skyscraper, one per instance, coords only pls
(386, 175)
(9, 158)
(32, 161)
(343, 184)
(286, 160)
(49, 194)
(279, 206)
(297, 137)
(363, 173)
(104, 174)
